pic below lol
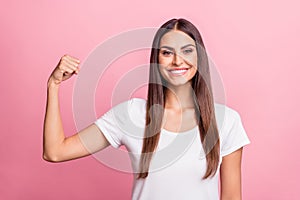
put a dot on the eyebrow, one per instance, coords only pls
(171, 48)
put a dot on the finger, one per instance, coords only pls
(66, 76)
(70, 61)
(67, 64)
(73, 68)
(66, 70)
(66, 67)
(71, 58)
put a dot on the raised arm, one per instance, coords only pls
(57, 147)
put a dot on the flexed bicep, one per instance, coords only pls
(81, 144)
(93, 139)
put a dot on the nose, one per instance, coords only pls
(177, 59)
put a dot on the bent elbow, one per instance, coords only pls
(51, 158)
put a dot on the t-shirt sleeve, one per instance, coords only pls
(121, 122)
(108, 126)
(112, 123)
(235, 136)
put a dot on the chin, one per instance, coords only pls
(178, 83)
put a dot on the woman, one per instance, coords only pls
(177, 144)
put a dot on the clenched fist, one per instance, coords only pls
(66, 67)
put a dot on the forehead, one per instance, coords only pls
(176, 39)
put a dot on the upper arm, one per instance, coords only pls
(83, 143)
(230, 174)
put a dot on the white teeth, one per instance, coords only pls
(178, 71)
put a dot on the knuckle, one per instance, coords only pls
(60, 67)
(64, 57)
(63, 61)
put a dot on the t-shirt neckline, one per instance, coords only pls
(179, 133)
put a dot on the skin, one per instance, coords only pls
(179, 107)
(57, 147)
(177, 52)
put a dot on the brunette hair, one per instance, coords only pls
(203, 101)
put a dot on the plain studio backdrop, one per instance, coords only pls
(254, 44)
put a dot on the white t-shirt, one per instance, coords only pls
(178, 165)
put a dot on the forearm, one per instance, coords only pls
(238, 197)
(231, 178)
(53, 128)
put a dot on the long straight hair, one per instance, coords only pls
(203, 101)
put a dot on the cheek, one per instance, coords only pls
(193, 61)
(194, 71)
(164, 61)
(162, 72)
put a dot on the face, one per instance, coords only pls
(177, 58)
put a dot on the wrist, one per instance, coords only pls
(52, 83)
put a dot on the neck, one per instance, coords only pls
(179, 97)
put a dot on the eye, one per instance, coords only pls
(188, 51)
(166, 52)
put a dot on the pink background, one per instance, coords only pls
(255, 45)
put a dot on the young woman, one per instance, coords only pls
(179, 140)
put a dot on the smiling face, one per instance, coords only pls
(177, 58)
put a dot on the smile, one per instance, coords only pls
(179, 71)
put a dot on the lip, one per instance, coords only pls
(178, 71)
